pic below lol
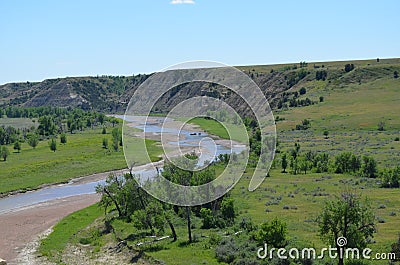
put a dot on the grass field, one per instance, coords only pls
(82, 155)
(215, 128)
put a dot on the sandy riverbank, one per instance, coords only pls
(23, 225)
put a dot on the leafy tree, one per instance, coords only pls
(116, 138)
(53, 145)
(273, 233)
(63, 138)
(4, 152)
(284, 162)
(17, 146)
(391, 177)
(46, 125)
(72, 126)
(101, 118)
(305, 124)
(182, 177)
(346, 163)
(207, 218)
(151, 217)
(33, 140)
(105, 143)
(321, 162)
(369, 167)
(228, 209)
(347, 217)
(304, 164)
(294, 165)
(303, 64)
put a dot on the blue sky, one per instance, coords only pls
(45, 39)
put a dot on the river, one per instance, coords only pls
(189, 139)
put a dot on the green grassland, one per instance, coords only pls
(81, 155)
(215, 128)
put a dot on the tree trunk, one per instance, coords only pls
(171, 226)
(189, 223)
(114, 201)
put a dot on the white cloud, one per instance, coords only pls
(178, 2)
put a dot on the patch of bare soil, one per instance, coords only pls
(20, 227)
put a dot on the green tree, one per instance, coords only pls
(17, 146)
(396, 74)
(116, 138)
(284, 162)
(207, 218)
(294, 165)
(101, 118)
(347, 217)
(33, 140)
(369, 167)
(105, 143)
(303, 91)
(228, 209)
(347, 163)
(304, 164)
(53, 145)
(104, 131)
(391, 177)
(63, 138)
(272, 233)
(4, 152)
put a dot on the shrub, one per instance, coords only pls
(348, 67)
(273, 233)
(207, 218)
(63, 138)
(226, 250)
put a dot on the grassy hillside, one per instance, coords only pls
(112, 93)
